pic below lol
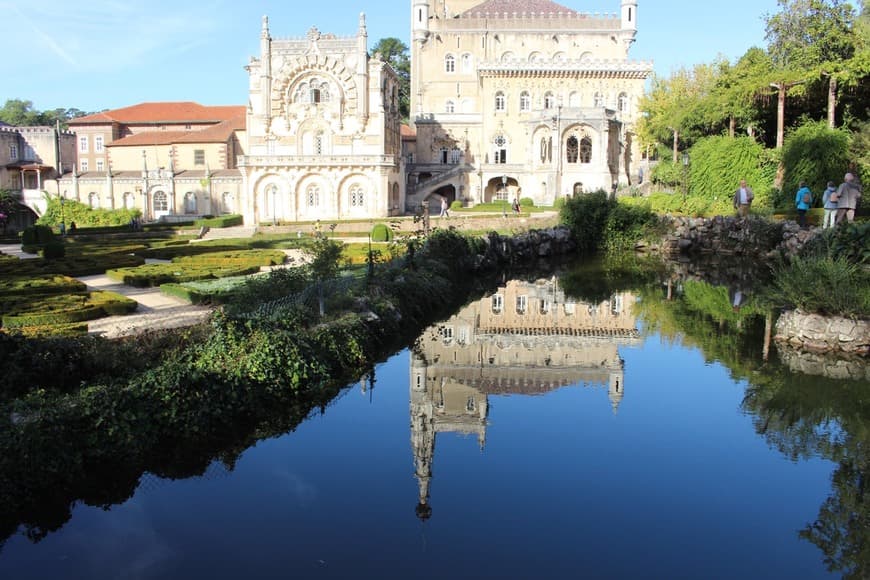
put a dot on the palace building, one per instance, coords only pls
(509, 99)
(521, 98)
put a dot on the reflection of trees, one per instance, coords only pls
(805, 416)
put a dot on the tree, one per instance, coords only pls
(395, 52)
(19, 113)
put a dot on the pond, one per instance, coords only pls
(555, 428)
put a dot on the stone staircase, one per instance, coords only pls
(227, 233)
(438, 179)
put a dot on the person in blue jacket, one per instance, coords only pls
(803, 199)
(830, 205)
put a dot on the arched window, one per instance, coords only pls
(357, 196)
(622, 103)
(189, 202)
(499, 149)
(313, 194)
(549, 100)
(94, 200)
(572, 149)
(450, 107)
(449, 63)
(586, 150)
(301, 95)
(129, 200)
(161, 202)
(228, 202)
(525, 101)
(598, 99)
(500, 101)
(466, 63)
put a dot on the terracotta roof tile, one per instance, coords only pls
(407, 131)
(166, 112)
(518, 6)
(218, 133)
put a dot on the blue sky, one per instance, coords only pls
(106, 54)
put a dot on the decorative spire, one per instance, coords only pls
(264, 33)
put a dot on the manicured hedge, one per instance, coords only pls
(70, 265)
(151, 275)
(224, 221)
(43, 310)
(236, 257)
(381, 233)
(41, 285)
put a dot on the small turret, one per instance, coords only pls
(629, 15)
(420, 20)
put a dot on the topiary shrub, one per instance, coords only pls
(54, 250)
(383, 233)
(527, 202)
(456, 205)
(35, 235)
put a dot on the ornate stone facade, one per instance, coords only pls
(323, 131)
(512, 98)
(526, 338)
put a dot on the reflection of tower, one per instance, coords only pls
(422, 434)
(616, 387)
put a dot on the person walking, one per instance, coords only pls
(803, 199)
(444, 208)
(743, 197)
(848, 195)
(829, 205)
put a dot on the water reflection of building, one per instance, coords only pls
(527, 338)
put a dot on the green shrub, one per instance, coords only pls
(813, 153)
(152, 275)
(456, 205)
(224, 221)
(54, 250)
(825, 285)
(40, 285)
(383, 233)
(626, 225)
(36, 235)
(527, 202)
(83, 215)
(586, 216)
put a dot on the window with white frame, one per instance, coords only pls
(83, 144)
(161, 201)
(100, 165)
(497, 303)
(189, 202)
(199, 156)
(98, 143)
(313, 195)
(466, 63)
(525, 101)
(522, 304)
(84, 165)
(450, 63)
(549, 100)
(13, 152)
(500, 101)
(455, 156)
(622, 103)
(357, 196)
(449, 107)
(598, 100)
(570, 307)
(499, 153)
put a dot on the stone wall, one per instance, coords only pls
(819, 364)
(722, 235)
(816, 333)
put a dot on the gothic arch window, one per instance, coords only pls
(525, 101)
(301, 95)
(449, 63)
(161, 202)
(94, 200)
(189, 202)
(572, 149)
(466, 63)
(500, 101)
(598, 99)
(546, 149)
(586, 150)
(622, 103)
(312, 195)
(450, 107)
(357, 196)
(549, 100)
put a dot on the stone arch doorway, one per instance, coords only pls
(433, 200)
(501, 189)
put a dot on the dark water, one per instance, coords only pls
(575, 439)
